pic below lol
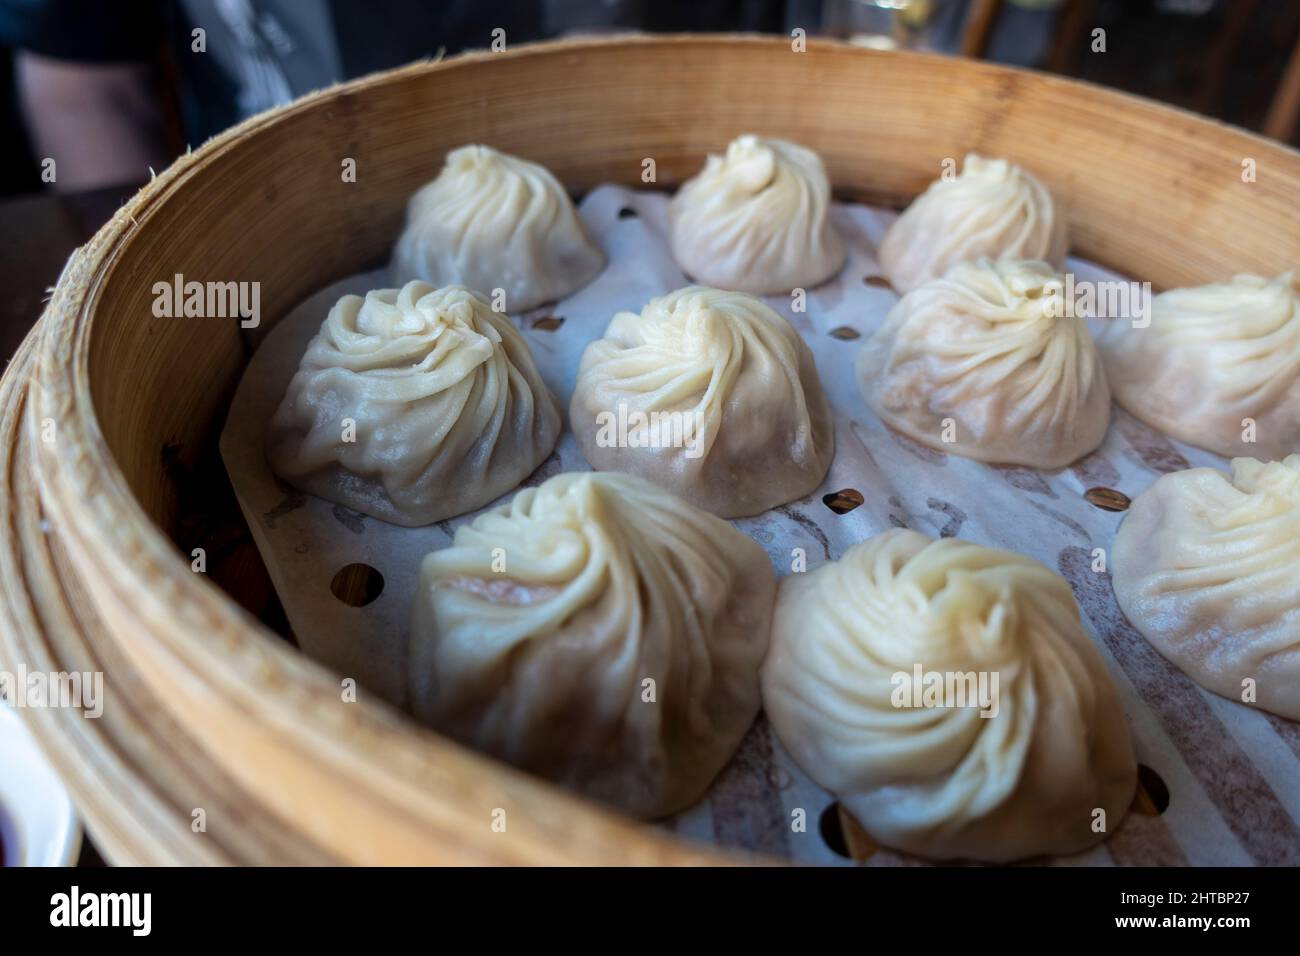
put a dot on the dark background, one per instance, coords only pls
(1222, 58)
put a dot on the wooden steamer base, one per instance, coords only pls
(207, 708)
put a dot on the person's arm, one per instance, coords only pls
(99, 122)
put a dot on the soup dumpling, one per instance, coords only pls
(1207, 566)
(413, 405)
(598, 632)
(494, 221)
(757, 220)
(880, 682)
(1218, 366)
(985, 363)
(709, 394)
(994, 209)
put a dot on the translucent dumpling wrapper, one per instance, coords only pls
(493, 221)
(994, 209)
(757, 220)
(1218, 366)
(710, 395)
(598, 632)
(412, 406)
(990, 362)
(1207, 566)
(950, 698)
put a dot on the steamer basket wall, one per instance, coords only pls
(215, 712)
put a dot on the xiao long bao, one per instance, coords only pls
(710, 395)
(990, 362)
(493, 221)
(598, 632)
(757, 220)
(993, 209)
(1036, 759)
(1207, 567)
(413, 406)
(1218, 366)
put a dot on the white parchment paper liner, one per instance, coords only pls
(1233, 773)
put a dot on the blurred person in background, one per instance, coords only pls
(111, 89)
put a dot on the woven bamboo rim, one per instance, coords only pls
(207, 709)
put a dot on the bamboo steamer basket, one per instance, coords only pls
(110, 415)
